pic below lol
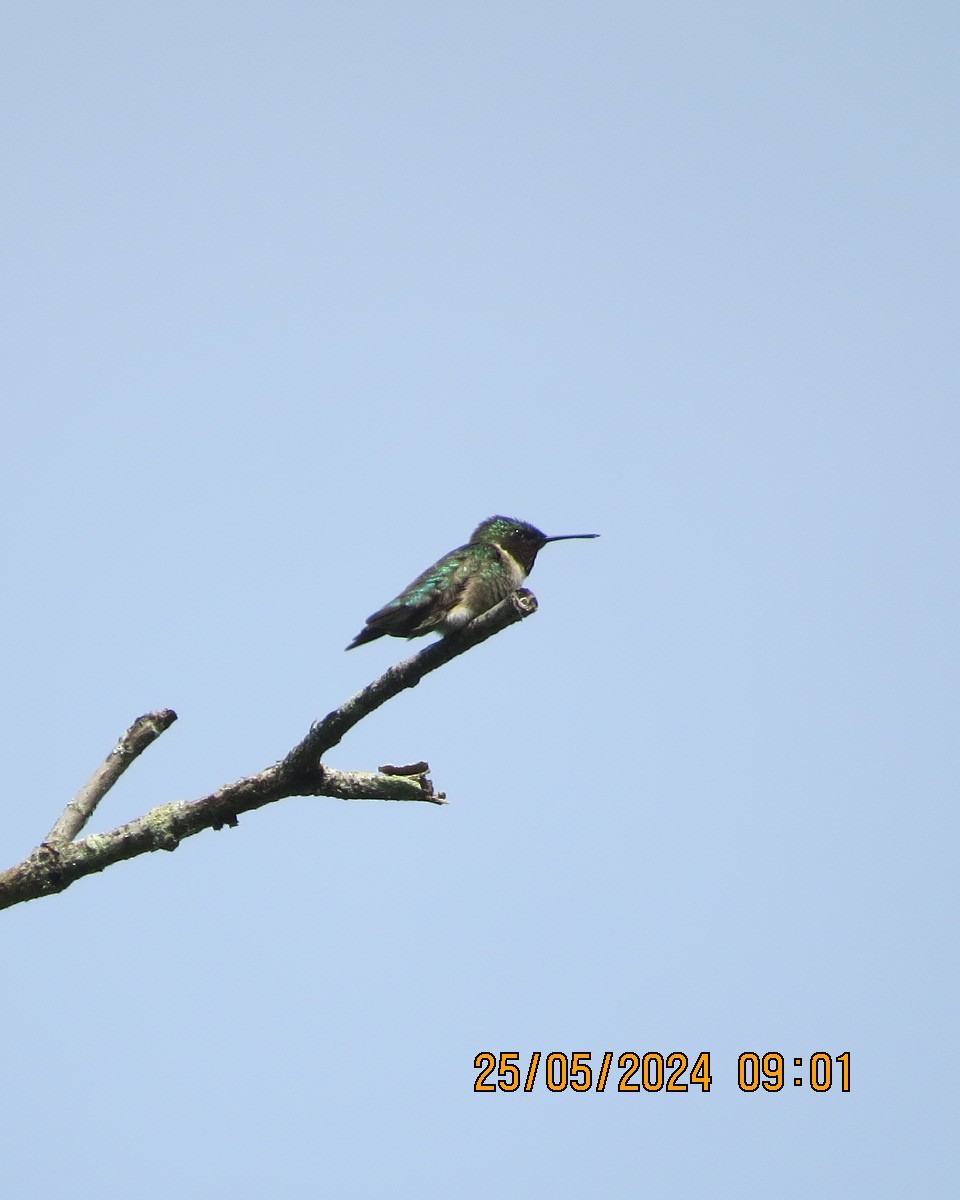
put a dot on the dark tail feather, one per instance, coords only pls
(393, 620)
(367, 634)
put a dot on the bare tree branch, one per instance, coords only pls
(142, 732)
(59, 861)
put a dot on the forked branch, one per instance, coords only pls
(60, 859)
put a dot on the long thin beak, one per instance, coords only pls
(566, 537)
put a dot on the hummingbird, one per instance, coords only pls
(464, 583)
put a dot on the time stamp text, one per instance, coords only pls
(652, 1071)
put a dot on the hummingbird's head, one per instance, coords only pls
(520, 540)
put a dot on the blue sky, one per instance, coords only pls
(295, 296)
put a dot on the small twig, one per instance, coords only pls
(142, 732)
(417, 768)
